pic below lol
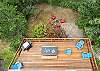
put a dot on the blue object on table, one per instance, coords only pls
(80, 44)
(86, 55)
(17, 66)
(81, 41)
(14, 66)
(68, 52)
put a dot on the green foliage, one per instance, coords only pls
(7, 55)
(24, 6)
(12, 23)
(89, 19)
(15, 42)
(89, 8)
(95, 21)
(30, 11)
(69, 4)
(91, 29)
(62, 3)
(82, 22)
(39, 31)
(24, 2)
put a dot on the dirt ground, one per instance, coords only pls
(69, 15)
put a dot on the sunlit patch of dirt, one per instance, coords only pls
(46, 11)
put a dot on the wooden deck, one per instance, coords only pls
(32, 58)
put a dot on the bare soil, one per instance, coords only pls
(69, 15)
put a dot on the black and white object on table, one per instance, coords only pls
(26, 46)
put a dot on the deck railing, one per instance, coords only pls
(16, 55)
(92, 60)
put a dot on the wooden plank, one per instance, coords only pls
(33, 57)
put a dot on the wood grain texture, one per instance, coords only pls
(32, 58)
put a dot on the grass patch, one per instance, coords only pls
(7, 54)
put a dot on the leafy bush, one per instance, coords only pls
(82, 22)
(7, 55)
(69, 4)
(24, 6)
(95, 21)
(89, 8)
(19, 2)
(15, 42)
(62, 3)
(30, 11)
(12, 23)
(39, 31)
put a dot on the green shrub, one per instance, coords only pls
(82, 22)
(62, 3)
(7, 55)
(30, 11)
(24, 6)
(69, 4)
(12, 23)
(94, 22)
(39, 31)
(15, 43)
(89, 8)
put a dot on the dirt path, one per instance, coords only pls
(67, 14)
